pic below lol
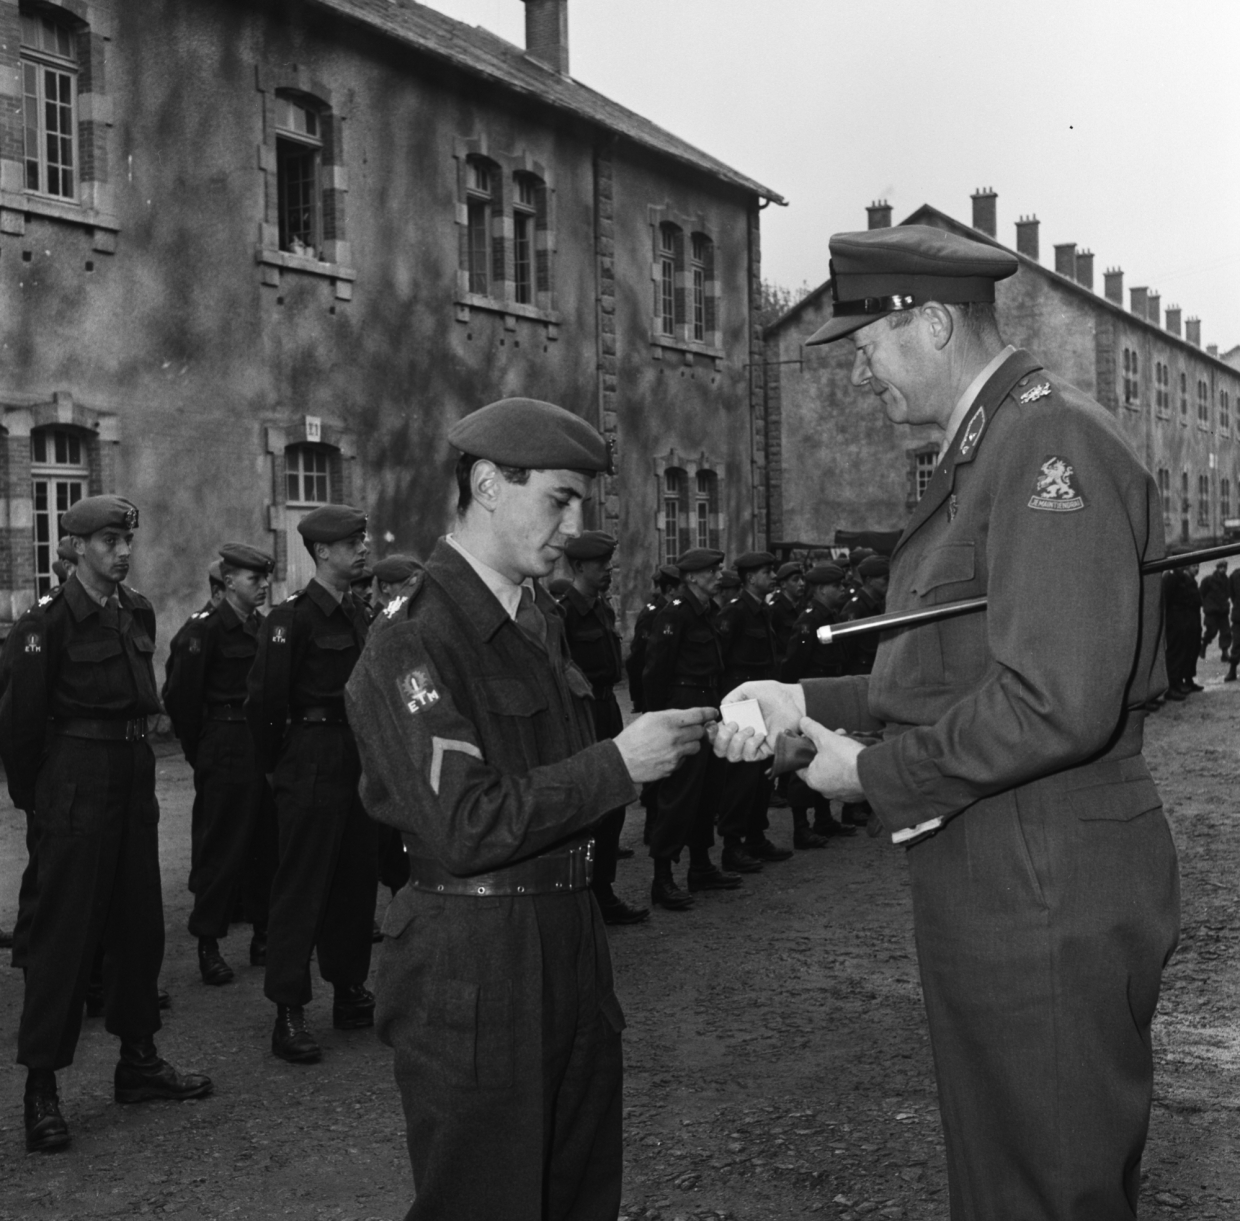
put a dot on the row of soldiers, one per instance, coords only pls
(1195, 615)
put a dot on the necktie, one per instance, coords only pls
(530, 617)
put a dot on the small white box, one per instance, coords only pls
(746, 715)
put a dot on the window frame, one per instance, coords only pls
(302, 450)
(50, 476)
(41, 62)
(1203, 499)
(686, 303)
(292, 143)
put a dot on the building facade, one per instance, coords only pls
(260, 255)
(838, 463)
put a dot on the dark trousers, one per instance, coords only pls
(1217, 624)
(323, 896)
(506, 1028)
(26, 894)
(231, 794)
(97, 831)
(1043, 919)
(1183, 650)
(608, 722)
(689, 798)
(744, 802)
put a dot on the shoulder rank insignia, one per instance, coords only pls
(1054, 491)
(34, 643)
(200, 615)
(1040, 391)
(416, 690)
(972, 432)
(392, 610)
(675, 602)
(47, 600)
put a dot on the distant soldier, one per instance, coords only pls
(747, 643)
(869, 599)
(684, 669)
(1233, 588)
(594, 645)
(66, 560)
(79, 687)
(788, 604)
(854, 580)
(1215, 597)
(205, 697)
(666, 579)
(729, 589)
(391, 574)
(1182, 604)
(558, 588)
(323, 897)
(363, 591)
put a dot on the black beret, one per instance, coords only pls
(99, 513)
(243, 556)
(667, 572)
(214, 574)
(64, 550)
(559, 586)
(874, 566)
(858, 554)
(531, 434)
(698, 558)
(825, 575)
(752, 560)
(590, 545)
(396, 568)
(878, 271)
(331, 523)
(367, 574)
(729, 579)
(791, 569)
(61, 573)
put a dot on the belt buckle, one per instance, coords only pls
(133, 731)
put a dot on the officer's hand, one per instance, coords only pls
(834, 770)
(783, 706)
(739, 746)
(653, 746)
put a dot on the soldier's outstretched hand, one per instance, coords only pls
(783, 706)
(653, 745)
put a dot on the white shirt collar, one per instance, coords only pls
(971, 392)
(507, 591)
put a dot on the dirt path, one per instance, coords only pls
(777, 1059)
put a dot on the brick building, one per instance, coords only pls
(837, 463)
(258, 255)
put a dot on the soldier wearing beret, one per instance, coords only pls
(78, 689)
(787, 604)
(495, 983)
(391, 574)
(594, 644)
(323, 895)
(729, 589)
(1043, 874)
(869, 599)
(665, 581)
(205, 697)
(855, 557)
(684, 670)
(1214, 608)
(750, 653)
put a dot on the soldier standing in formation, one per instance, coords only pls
(1182, 607)
(1215, 610)
(788, 604)
(323, 896)
(79, 687)
(869, 599)
(684, 670)
(205, 698)
(594, 645)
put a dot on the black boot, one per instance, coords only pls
(802, 836)
(142, 1073)
(664, 892)
(45, 1126)
(291, 1040)
(353, 1007)
(211, 963)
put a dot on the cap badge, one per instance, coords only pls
(1036, 392)
(972, 432)
(33, 644)
(416, 690)
(1054, 491)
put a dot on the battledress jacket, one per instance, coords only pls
(1041, 506)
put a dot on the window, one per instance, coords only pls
(49, 103)
(926, 464)
(524, 219)
(1224, 412)
(480, 178)
(1164, 492)
(706, 510)
(669, 298)
(307, 472)
(1203, 500)
(1162, 388)
(59, 477)
(673, 492)
(299, 149)
(1203, 404)
(702, 265)
(1183, 398)
(1132, 390)
(1224, 498)
(1184, 506)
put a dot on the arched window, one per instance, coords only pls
(674, 524)
(49, 104)
(706, 510)
(524, 244)
(299, 156)
(669, 304)
(482, 198)
(59, 476)
(702, 267)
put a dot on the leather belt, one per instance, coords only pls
(111, 730)
(225, 712)
(320, 715)
(551, 874)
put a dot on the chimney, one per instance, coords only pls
(1085, 269)
(546, 33)
(1173, 319)
(1136, 301)
(985, 211)
(879, 214)
(1192, 331)
(1212, 349)
(1153, 308)
(1065, 259)
(1113, 280)
(1027, 237)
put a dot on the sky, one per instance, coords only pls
(1115, 122)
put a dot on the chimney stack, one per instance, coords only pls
(1173, 319)
(1027, 237)
(1085, 269)
(1137, 301)
(546, 33)
(879, 214)
(985, 211)
(1192, 331)
(1153, 308)
(1212, 349)
(1113, 285)
(1065, 259)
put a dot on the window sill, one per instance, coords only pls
(515, 309)
(300, 263)
(30, 204)
(689, 347)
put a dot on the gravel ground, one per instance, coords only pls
(778, 1064)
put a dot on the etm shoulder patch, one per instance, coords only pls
(417, 692)
(1054, 490)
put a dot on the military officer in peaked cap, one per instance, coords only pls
(205, 697)
(78, 689)
(594, 644)
(1044, 880)
(323, 894)
(495, 983)
(684, 669)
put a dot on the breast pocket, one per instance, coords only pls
(953, 650)
(945, 573)
(238, 649)
(94, 651)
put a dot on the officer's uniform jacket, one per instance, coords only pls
(683, 652)
(307, 649)
(208, 666)
(1041, 506)
(635, 663)
(784, 615)
(68, 658)
(807, 657)
(747, 641)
